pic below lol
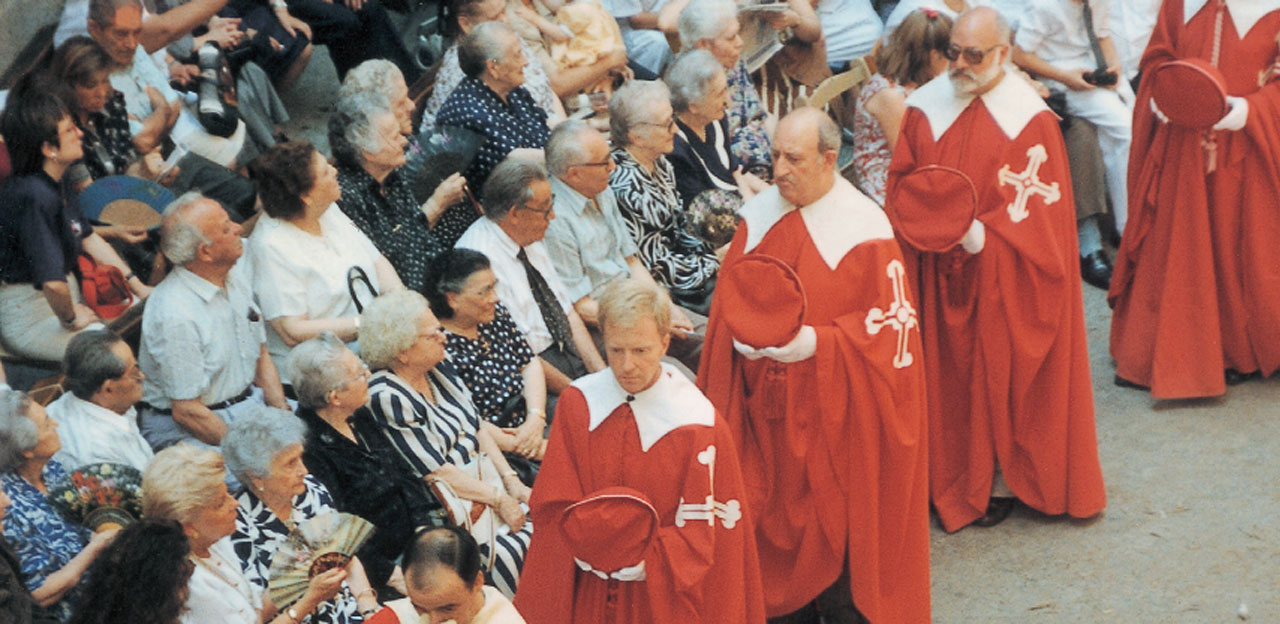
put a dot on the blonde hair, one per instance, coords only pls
(627, 302)
(180, 481)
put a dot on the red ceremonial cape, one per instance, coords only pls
(833, 447)
(697, 573)
(1196, 288)
(1004, 339)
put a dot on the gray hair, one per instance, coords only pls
(18, 433)
(359, 113)
(632, 105)
(103, 12)
(486, 42)
(510, 184)
(689, 78)
(181, 239)
(315, 369)
(704, 19)
(565, 148)
(371, 76)
(253, 441)
(89, 362)
(389, 326)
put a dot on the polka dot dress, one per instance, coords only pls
(516, 123)
(491, 364)
(391, 218)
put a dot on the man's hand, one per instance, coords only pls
(1074, 80)
(355, 5)
(976, 238)
(225, 31)
(781, 20)
(1236, 116)
(801, 348)
(292, 25)
(183, 73)
(680, 323)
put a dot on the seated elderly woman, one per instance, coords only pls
(139, 578)
(347, 453)
(490, 353)
(369, 152)
(445, 582)
(16, 604)
(306, 257)
(52, 552)
(264, 452)
(491, 101)
(425, 409)
(643, 132)
(184, 484)
(41, 235)
(702, 157)
(912, 56)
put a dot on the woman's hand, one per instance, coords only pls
(101, 540)
(508, 508)
(85, 316)
(323, 586)
(528, 441)
(131, 234)
(517, 489)
(293, 25)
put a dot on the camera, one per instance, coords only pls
(1101, 78)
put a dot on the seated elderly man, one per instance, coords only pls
(156, 111)
(590, 244)
(491, 101)
(518, 209)
(637, 446)
(96, 417)
(203, 340)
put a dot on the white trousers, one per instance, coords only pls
(1112, 112)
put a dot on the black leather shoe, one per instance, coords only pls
(998, 508)
(1125, 383)
(1235, 377)
(1095, 269)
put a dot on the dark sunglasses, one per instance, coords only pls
(972, 56)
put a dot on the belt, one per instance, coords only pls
(244, 394)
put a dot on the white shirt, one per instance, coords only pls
(1009, 8)
(851, 28)
(92, 434)
(299, 274)
(496, 610)
(513, 282)
(1132, 22)
(1054, 30)
(219, 591)
(200, 341)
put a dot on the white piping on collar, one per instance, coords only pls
(671, 402)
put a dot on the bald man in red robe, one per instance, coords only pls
(1196, 290)
(830, 424)
(1002, 316)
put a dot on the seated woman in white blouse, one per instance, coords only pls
(184, 484)
(305, 254)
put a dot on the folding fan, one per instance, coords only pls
(314, 547)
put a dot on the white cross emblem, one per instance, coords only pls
(1028, 183)
(901, 316)
(729, 512)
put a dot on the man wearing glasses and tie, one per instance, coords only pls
(1010, 402)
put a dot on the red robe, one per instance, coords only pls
(832, 447)
(701, 572)
(1196, 288)
(1004, 339)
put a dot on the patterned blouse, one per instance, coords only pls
(427, 434)
(871, 153)
(747, 116)
(491, 365)
(656, 220)
(450, 75)
(259, 533)
(390, 216)
(43, 539)
(515, 123)
(108, 144)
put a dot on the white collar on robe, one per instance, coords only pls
(837, 222)
(671, 402)
(1245, 13)
(1012, 103)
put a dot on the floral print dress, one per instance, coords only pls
(42, 538)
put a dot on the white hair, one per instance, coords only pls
(389, 326)
(371, 76)
(689, 78)
(704, 19)
(180, 239)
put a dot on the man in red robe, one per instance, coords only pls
(830, 425)
(641, 491)
(1197, 285)
(1002, 316)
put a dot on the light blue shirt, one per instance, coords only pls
(588, 244)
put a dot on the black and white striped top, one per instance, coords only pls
(427, 434)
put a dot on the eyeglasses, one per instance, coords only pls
(545, 212)
(606, 163)
(972, 56)
(669, 124)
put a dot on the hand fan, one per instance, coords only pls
(314, 547)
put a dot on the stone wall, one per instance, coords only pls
(19, 20)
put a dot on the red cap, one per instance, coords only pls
(1190, 92)
(625, 515)
(764, 300)
(932, 207)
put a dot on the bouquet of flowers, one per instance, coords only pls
(99, 496)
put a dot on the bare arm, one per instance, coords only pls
(103, 253)
(669, 15)
(268, 378)
(644, 21)
(205, 425)
(157, 125)
(58, 295)
(387, 276)
(57, 585)
(1032, 62)
(807, 27)
(582, 339)
(888, 107)
(294, 330)
(159, 30)
(573, 80)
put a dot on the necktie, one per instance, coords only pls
(552, 314)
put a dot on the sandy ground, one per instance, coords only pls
(1190, 533)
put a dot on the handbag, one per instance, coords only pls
(356, 275)
(103, 287)
(478, 519)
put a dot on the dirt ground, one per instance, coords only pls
(1191, 532)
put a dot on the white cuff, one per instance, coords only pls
(748, 352)
(976, 238)
(629, 573)
(801, 348)
(1236, 116)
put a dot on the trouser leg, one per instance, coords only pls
(235, 192)
(833, 606)
(1113, 119)
(260, 106)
